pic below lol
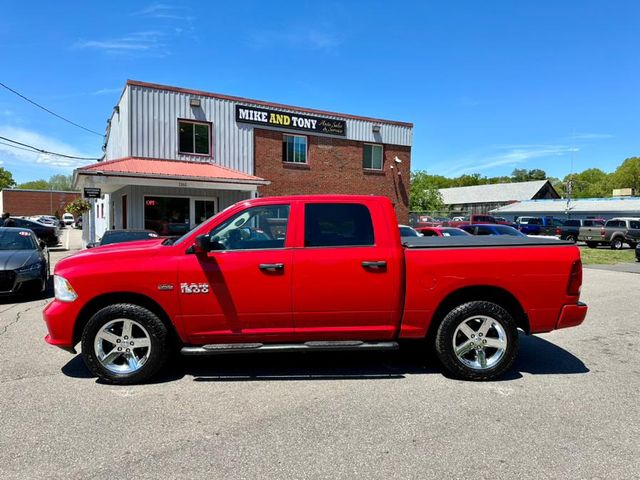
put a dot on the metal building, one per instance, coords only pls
(159, 136)
(579, 208)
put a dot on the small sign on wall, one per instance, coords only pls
(92, 192)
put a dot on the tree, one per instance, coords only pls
(6, 179)
(589, 183)
(524, 175)
(627, 175)
(61, 182)
(35, 185)
(424, 194)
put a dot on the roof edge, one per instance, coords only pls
(158, 86)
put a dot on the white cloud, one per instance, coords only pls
(511, 155)
(136, 42)
(43, 142)
(591, 136)
(107, 91)
(309, 39)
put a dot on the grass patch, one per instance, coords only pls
(606, 256)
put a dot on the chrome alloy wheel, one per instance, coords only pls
(122, 346)
(480, 342)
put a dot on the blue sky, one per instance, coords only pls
(490, 86)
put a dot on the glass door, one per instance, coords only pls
(203, 210)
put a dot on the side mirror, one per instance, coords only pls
(202, 244)
(92, 244)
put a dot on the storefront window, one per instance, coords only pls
(194, 137)
(166, 215)
(372, 157)
(294, 149)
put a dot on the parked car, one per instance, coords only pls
(48, 220)
(491, 229)
(24, 262)
(504, 221)
(121, 236)
(473, 219)
(407, 231)
(442, 232)
(571, 228)
(637, 252)
(127, 304)
(47, 233)
(615, 233)
(68, 219)
(427, 221)
(538, 225)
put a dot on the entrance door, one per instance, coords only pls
(243, 288)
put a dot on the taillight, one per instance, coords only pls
(602, 233)
(575, 278)
(558, 231)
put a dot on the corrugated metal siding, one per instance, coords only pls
(135, 200)
(154, 116)
(118, 142)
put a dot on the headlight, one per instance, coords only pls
(34, 267)
(63, 289)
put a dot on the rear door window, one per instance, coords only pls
(337, 224)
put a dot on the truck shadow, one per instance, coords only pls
(537, 357)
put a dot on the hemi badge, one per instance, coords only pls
(165, 286)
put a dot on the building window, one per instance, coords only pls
(294, 149)
(372, 159)
(194, 137)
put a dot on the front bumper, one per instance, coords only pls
(60, 319)
(572, 315)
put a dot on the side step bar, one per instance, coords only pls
(329, 346)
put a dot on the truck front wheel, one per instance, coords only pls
(477, 341)
(124, 344)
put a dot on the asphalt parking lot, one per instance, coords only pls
(569, 409)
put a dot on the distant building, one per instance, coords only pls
(26, 203)
(579, 208)
(483, 198)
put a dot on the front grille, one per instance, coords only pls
(7, 279)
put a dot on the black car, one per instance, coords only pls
(492, 229)
(47, 233)
(24, 262)
(637, 252)
(119, 236)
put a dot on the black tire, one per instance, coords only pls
(571, 238)
(592, 244)
(617, 243)
(445, 339)
(155, 330)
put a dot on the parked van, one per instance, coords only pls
(68, 219)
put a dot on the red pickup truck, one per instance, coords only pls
(308, 273)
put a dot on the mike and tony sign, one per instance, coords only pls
(296, 121)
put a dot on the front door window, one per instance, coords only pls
(204, 209)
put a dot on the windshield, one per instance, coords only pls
(17, 240)
(408, 232)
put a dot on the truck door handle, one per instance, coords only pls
(271, 266)
(377, 264)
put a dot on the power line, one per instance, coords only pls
(49, 111)
(31, 148)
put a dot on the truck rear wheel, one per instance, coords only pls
(124, 344)
(617, 243)
(477, 341)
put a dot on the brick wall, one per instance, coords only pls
(23, 203)
(334, 166)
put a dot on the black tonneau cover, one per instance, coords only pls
(480, 241)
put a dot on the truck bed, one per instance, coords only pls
(480, 242)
